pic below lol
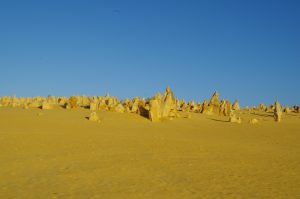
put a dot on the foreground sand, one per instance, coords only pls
(60, 154)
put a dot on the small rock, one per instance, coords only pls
(94, 117)
(253, 121)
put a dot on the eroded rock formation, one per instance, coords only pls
(277, 112)
(94, 117)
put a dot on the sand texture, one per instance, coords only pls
(59, 153)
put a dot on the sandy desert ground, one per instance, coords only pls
(61, 154)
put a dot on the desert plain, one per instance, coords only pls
(60, 153)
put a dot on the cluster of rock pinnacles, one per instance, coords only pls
(158, 108)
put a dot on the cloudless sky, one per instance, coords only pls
(246, 49)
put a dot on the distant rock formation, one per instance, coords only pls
(192, 106)
(94, 105)
(270, 109)
(262, 107)
(135, 105)
(155, 110)
(217, 107)
(62, 101)
(51, 100)
(120, 108)
(25, 106)
(5, 101)
(277, 112)
(165, 107)
(287, 110)
(296, 109)
(169, 104)
(15, 102)
(111, 103)
(46, 106)
(72, 103)
(225, 108)
(85, 101)
(205, 109)
(102, 104)
(236, 105)
(214, 103)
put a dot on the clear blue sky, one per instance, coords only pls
(246, 49)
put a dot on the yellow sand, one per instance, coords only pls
(61, 154)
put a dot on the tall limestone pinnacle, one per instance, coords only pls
(169, 103)
(214, 103)
(277, 112)
(155, 110)
(215, 99)
(165, 107)
(236, 105)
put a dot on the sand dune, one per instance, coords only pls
(59, 153)
(162, 147)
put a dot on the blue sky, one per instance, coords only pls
(247, 50)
